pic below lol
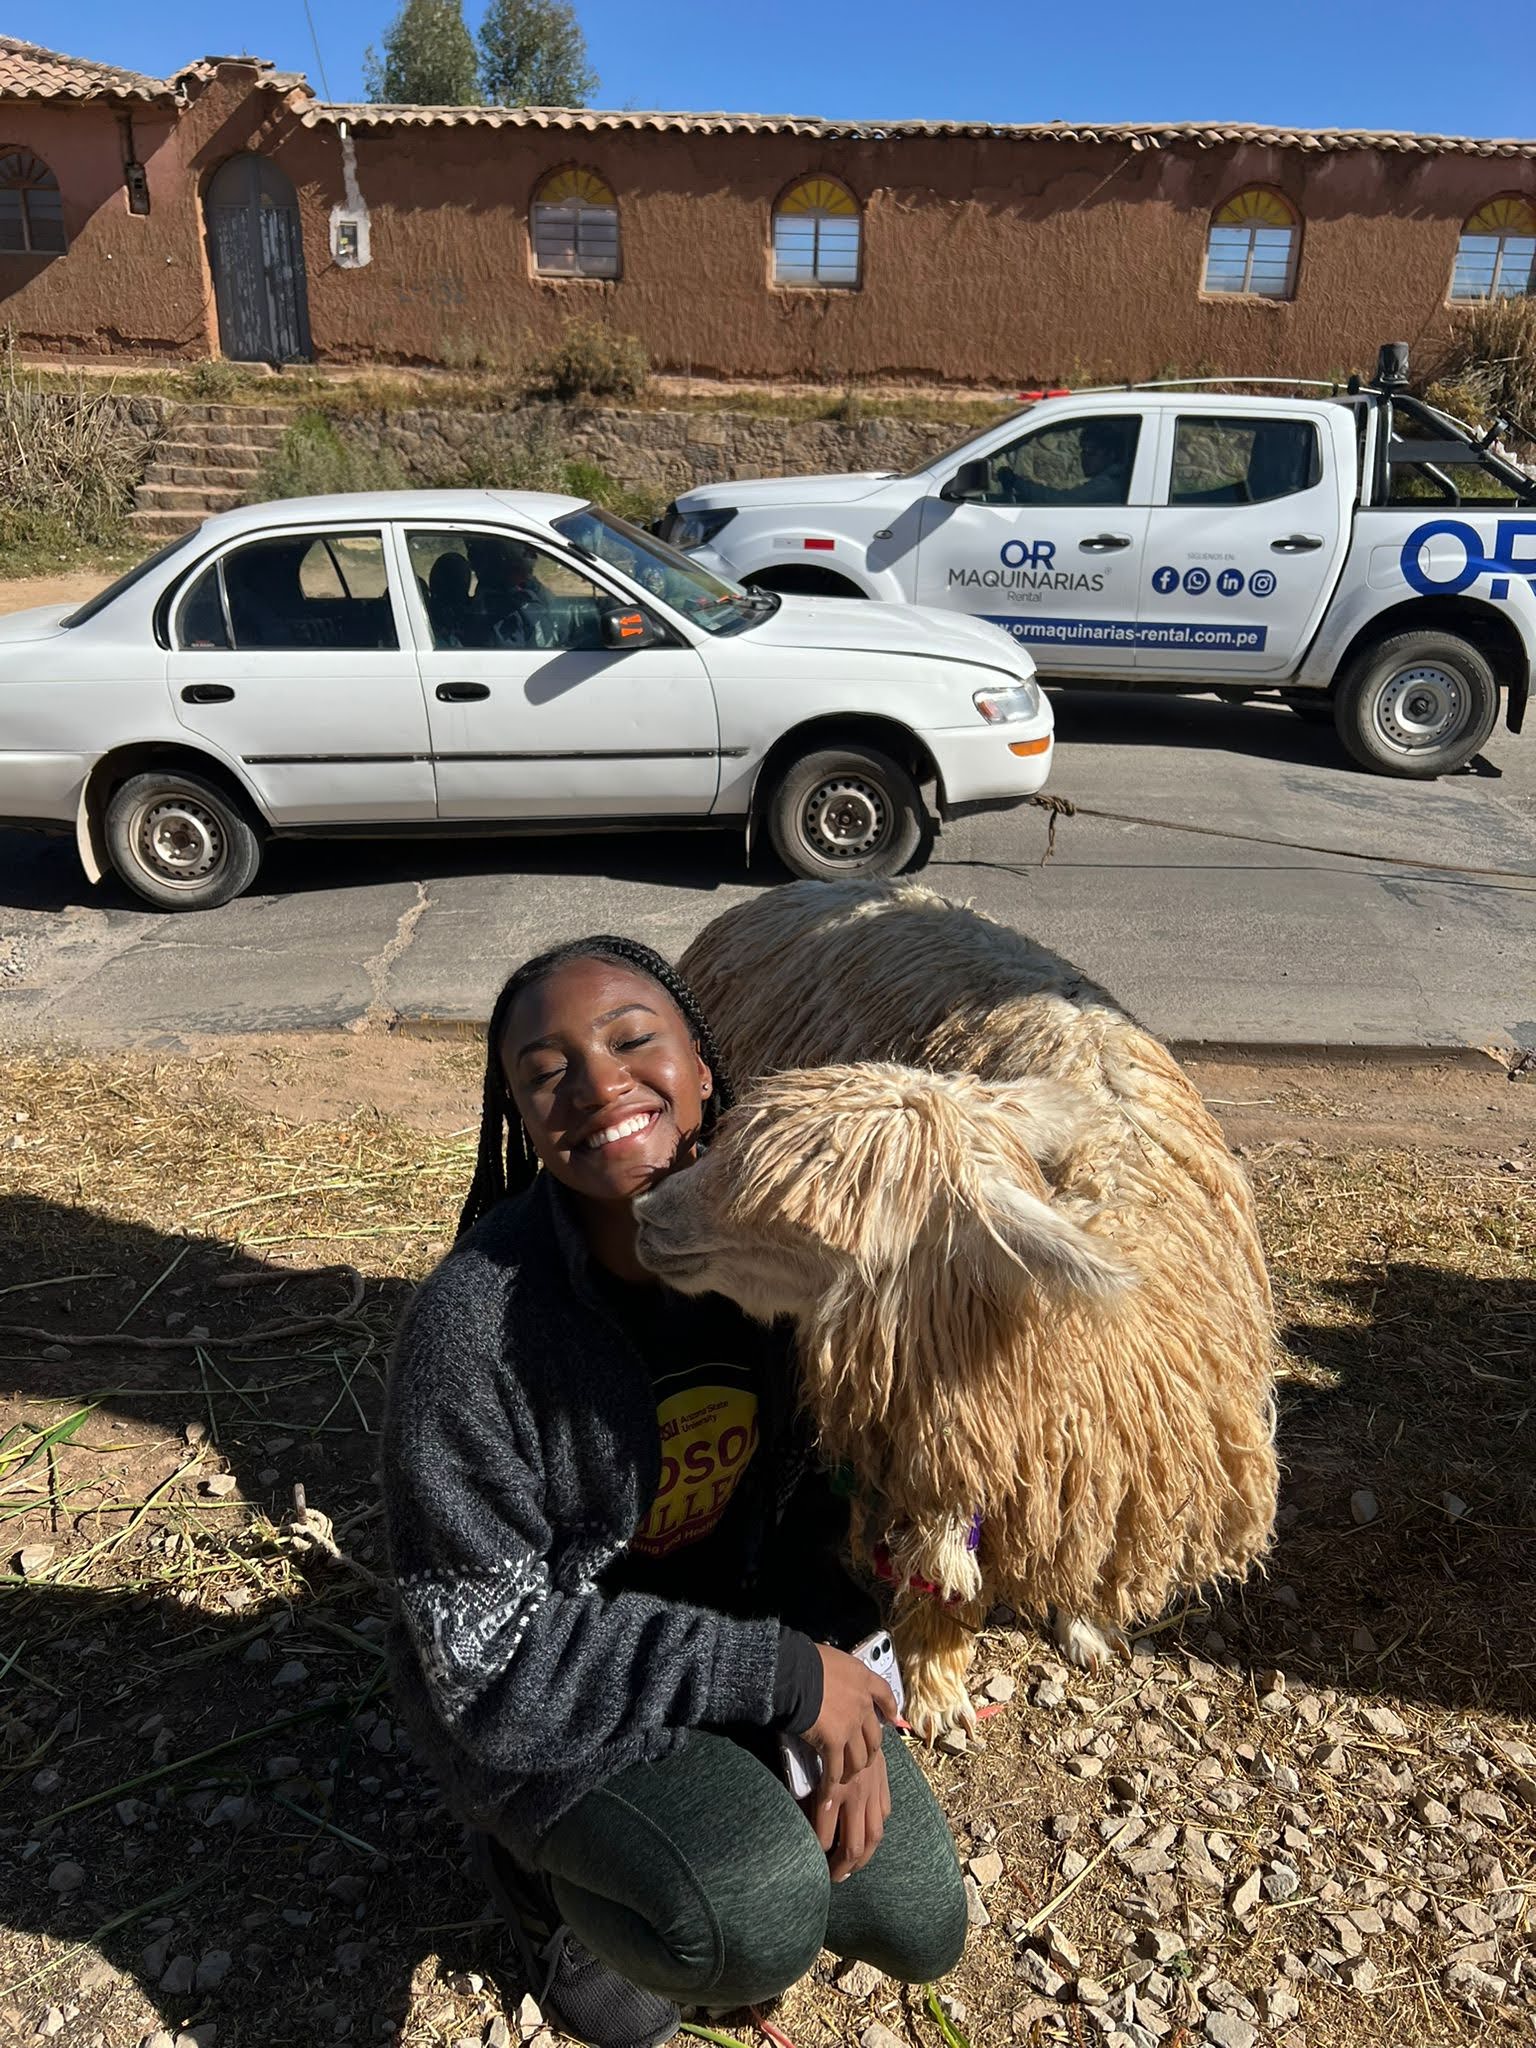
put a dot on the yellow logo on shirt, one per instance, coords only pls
(708, 1435)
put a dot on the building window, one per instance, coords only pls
(816, 235)
(1251, 247)
(1496, 256)
(31, 210)
(575, 227)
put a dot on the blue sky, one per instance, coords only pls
(1412, 65)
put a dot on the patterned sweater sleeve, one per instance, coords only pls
(527, 1676)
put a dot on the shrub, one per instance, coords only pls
(68, 460)
(1488, 365)
(312, 460)
(592, 361)
(214, 379)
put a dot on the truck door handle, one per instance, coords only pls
(1104, 543)
(207, 693)
(1297, 544)
(462, 693)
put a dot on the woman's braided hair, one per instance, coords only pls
(506, 1163)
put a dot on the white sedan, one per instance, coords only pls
(490, 661)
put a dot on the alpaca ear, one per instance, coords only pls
(1056, 1252)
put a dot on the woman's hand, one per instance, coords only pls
(849, 1730)
(850, 1818)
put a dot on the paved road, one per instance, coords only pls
(1213, 939)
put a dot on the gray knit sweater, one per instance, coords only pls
(520, 1454)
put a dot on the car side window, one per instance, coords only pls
(1075, 462)
(496, 591)
(1219, 460)
(293, 592)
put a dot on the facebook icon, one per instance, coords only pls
(1164, 580)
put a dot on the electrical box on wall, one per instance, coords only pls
(136, 181)
(349, 238)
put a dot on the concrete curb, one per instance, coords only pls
(1256, 1052)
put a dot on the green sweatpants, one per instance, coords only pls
(700, 1878)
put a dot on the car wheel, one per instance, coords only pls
(1417, 705)
(180, 841)
(846, 811)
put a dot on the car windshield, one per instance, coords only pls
(113, 591)
(713, 602)
(953, 454)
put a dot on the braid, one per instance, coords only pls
(505, 1162)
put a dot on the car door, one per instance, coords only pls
(531, 715)
(288, 654)
(1245, 546)
(1049, 544)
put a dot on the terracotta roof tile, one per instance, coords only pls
(27, 71)
(1136, 136)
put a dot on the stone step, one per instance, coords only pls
(237, 415)
(180, 454)
(239, 434)
(158, 526)
(199, 476)
(195, 500)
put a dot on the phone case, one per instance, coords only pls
(802, 1765)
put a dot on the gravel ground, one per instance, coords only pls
(1305, 1816)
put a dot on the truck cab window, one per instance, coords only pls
(1219, 460)
(1080, 462)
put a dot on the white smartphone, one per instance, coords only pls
(802, 1764)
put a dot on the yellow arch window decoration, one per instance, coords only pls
(1496, 256)
(31, 206)
(816, 235)
(1251, 246)
(575, 226)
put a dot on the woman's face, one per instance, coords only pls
(606, 1078)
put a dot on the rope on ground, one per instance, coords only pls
(1064, 807)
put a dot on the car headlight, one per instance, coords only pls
(687, 530)
(1019, 700)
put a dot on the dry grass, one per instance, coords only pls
(158, 1203)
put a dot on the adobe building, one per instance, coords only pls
(226, 210)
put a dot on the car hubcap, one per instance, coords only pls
(846, 819)
(178, 840)
(1421, 708)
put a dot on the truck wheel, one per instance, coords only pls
(845, 811)
(180, 841)
(1417, 705)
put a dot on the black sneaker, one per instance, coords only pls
(575, 1992)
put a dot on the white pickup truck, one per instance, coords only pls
(1349, 549)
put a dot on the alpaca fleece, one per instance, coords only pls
(924, 1084)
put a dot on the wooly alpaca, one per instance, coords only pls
(1032, 1308)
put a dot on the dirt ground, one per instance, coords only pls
(21, 593)
(1306, 1815)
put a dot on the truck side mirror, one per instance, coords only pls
(970, 481)
(626, 627)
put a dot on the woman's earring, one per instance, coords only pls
(705, 1085)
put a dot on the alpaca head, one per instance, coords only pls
(901, 1218)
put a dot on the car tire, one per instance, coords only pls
(848, 811)
(179, 841)
(1417, 705)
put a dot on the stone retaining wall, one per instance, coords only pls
(661, 451)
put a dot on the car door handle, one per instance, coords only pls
(462, 693)
(1104, 543)
(207, 693)
(1297, 544)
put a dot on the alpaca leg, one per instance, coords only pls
(1088, 1644)
(934, 1645)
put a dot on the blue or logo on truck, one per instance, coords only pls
(1513, 554)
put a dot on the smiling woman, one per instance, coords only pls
(618, 1561)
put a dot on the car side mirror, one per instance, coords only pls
(970, 481)
(626, 627)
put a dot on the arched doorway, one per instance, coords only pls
(256, 253)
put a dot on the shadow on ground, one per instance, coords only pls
(202, 1783)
